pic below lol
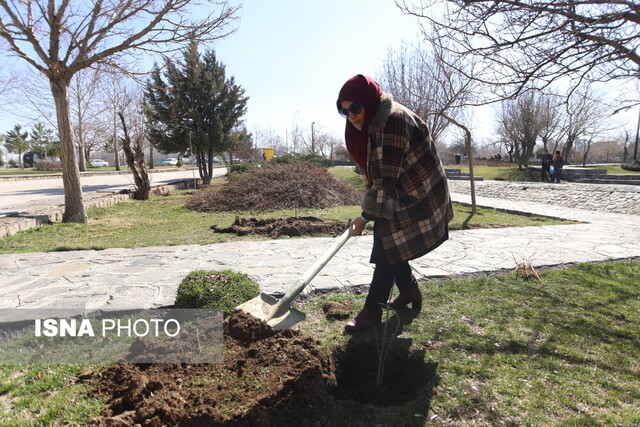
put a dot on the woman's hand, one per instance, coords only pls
(357, 225)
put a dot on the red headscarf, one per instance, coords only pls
(365, 91)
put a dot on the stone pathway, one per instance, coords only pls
(148, 277)
(623, 199)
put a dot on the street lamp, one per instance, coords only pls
(635, 150)
(313, 146)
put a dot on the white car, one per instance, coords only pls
(168, 162)
(98, 163)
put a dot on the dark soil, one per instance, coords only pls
(337, 310)
(278, 227)
(265, 379)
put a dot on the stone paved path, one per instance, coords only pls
(149, 277)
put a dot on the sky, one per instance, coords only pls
(293, 56)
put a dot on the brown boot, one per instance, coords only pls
(412, 296)
(366, 319)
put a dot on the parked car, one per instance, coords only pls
(168, 162)
(98, 163)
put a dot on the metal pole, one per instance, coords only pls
(635, 151)
(313, 146)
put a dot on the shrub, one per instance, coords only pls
(49, 165)
(525, 175)
(223, 290)
(241, 167)
(635, 167)
(274, 187)
(13, 163)
(289, 158)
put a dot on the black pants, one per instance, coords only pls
(546, 171)
(384, 276)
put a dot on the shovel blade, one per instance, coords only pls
(262, 307)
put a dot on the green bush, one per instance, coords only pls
(241, 167)
(289, 158)
(525, 175)
(223, 290)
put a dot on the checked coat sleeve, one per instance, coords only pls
(408, 192)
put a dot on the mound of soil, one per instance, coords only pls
(265, 379)
(260, 370)
(277, 227)
(273, 187)
(337, 310)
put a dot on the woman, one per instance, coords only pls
(406, 192)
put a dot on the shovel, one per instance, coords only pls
(277, 313)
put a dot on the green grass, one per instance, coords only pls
(45, 394)
(616, 170)
(562, 351)
(500, 173)
(18, 171)
(504, 350)
(164, 221)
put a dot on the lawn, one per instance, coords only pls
(164, 221)
(616, 170)
(560, 351)
(500, 350)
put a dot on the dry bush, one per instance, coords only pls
(526, 271)
(286, 186)
(49, 165)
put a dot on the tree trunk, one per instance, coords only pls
(73, 201)
(151, 157)
(82, 160)
(116, 159)
(134, 154)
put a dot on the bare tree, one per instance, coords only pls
(33, 95)
(585, 117)
(297, 134)
(133, 147)
(526, 43)
(625, 145)
(117, 95)
(327, 144)
(550, 117)
(267, 137)
(420, 77)
(87, 109)
(520, 124)
(61, 38)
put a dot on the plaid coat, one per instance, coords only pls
(407, 190)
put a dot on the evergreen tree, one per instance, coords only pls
(41, 141)
(16, 142)
(192, 108)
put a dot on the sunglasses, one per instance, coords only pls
(353, 109)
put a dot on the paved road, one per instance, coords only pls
(17, 193)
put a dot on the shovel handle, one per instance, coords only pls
(313, 270)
